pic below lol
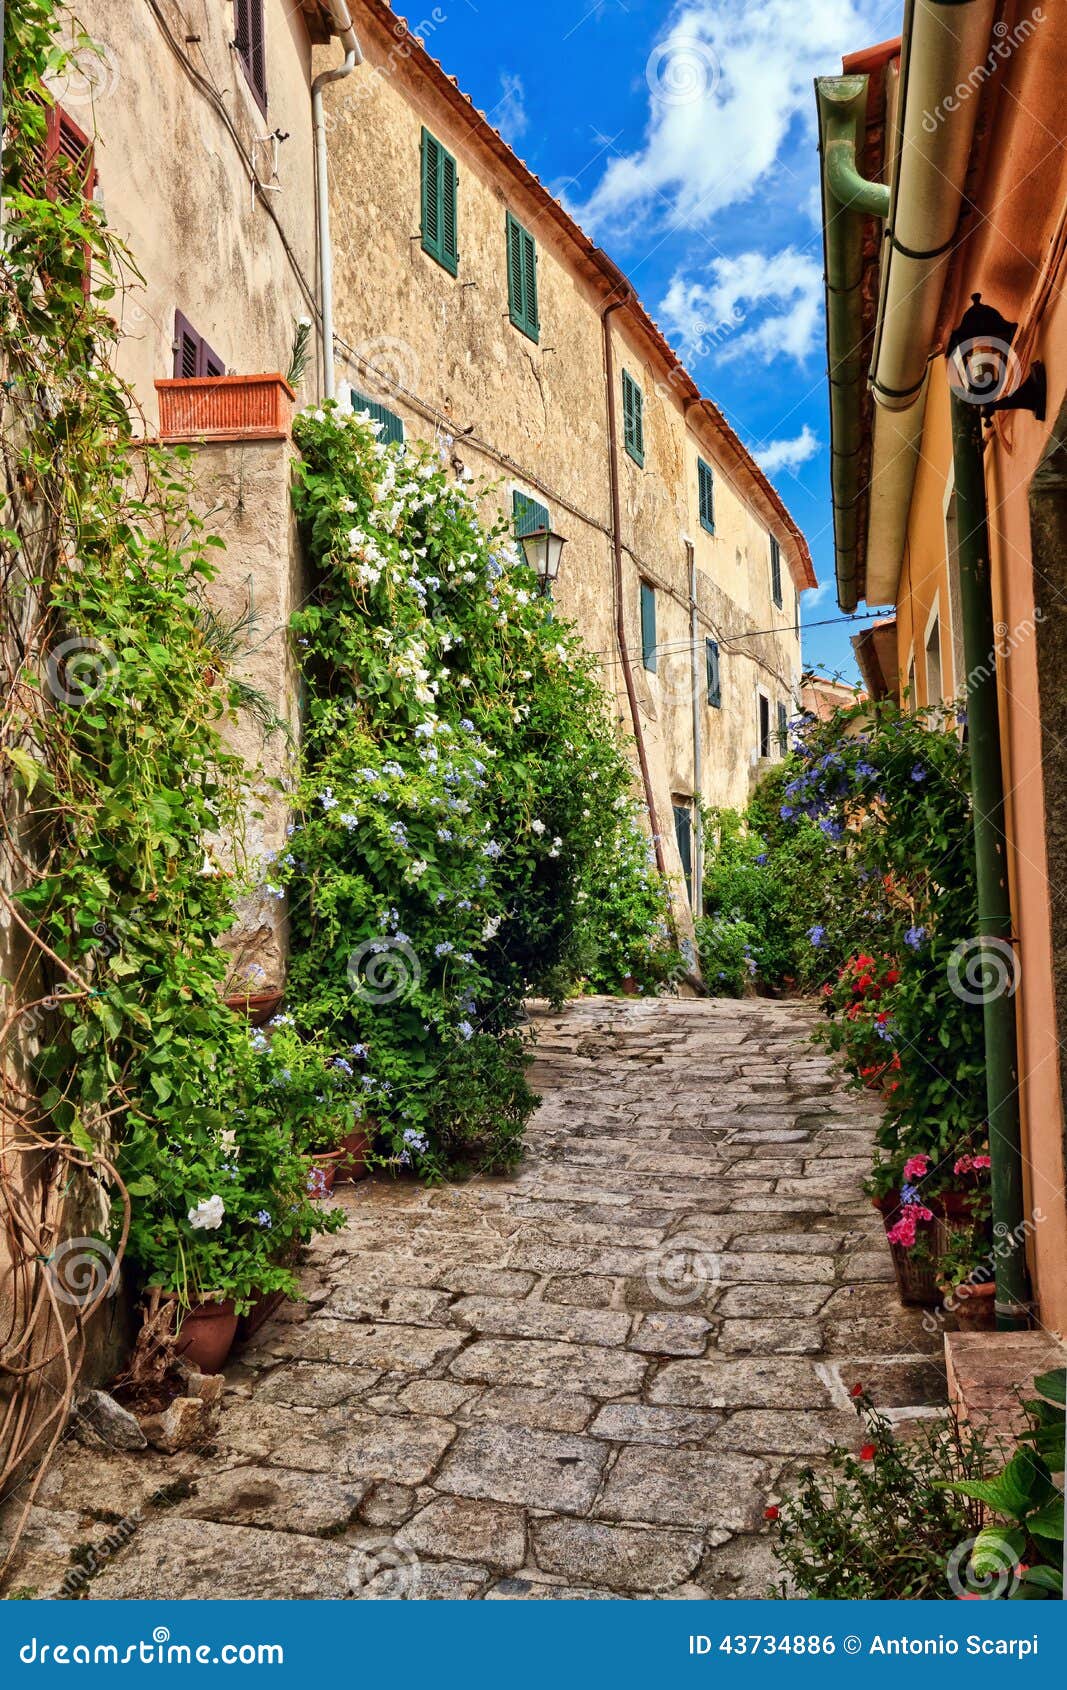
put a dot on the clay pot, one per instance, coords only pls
(353, 1164)
(257, 1007)
(327, 1163)
(206, 1333)
(629, 986)
(974, 1306)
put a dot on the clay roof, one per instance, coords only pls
(762, 495)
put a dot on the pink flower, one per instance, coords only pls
(983, 1162)
(916, 1167)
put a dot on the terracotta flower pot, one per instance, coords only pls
(224, 407)
(353, 1164)
(974, 1306)
(206, 1333)
(258, 1007)
(324, 1166)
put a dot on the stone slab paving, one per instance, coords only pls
(586, 1379)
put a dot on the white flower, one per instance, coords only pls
(537, 827)
(417, 869)
(208, 1214)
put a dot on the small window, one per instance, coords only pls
(706, 492)
(776, 572)
(522, 279)
(439, 194)
(783, 730)
(764, 725)
(392, 431)
(633, 419)
(528, 516)
(711, 658)
(250, 42)
(192, 354)
(648, 626)
(934, 692)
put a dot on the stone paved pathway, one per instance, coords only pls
(584, 1380)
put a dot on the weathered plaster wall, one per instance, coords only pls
(441, 351)
(176, 188)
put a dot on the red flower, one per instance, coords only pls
(892, 977)
(771, 1513)
(867, 1453)
(856, 1391)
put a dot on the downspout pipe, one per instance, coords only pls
(620, 605)
(996, 937)
(353, 56)
(698, 735)
(848, 199)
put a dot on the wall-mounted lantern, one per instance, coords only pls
(543, 549)
(985, 370)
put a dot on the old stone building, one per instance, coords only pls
(471, 310)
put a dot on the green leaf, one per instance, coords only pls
(1047, 1522)
(79, 1137)
(1045, 1578)
(1053, 1385)
(1024, 1484)
(28, 767)
(992, 1548)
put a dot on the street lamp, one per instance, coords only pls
(543, 549)
(985, 370)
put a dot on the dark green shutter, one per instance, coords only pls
(648, 626)
(522, 279)
(683, 833)
(527, 515)
(706, 493)
(783, 728)
(633, 423)
(439, 194)
(392, 427)
(776, 572)
(711, 653)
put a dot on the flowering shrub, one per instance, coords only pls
(464, 799)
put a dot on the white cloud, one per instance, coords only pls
(726, 85)
(787, 454)
(509, 115)
(756, 305)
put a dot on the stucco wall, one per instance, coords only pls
(176, 187)
(441, 352)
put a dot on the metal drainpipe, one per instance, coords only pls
(994, 896)
(620, 608)
(353, 57)
(698, 738)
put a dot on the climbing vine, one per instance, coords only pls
(466, 821)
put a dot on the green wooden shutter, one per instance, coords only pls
(633, 425)
(783, 728)
(392, 426)
(439, 207)
(776, 572)
(711, 654)
(522, 279)
(648, 626)
(706, 495)
(527, 515)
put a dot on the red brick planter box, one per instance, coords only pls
(225, 408)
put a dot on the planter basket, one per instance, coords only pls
(916, 1280)
(225, 408)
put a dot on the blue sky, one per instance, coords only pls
(683, 139)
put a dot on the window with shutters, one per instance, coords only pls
(439, 195)
(633, 419)
(711, 658)
(522, 279)
(706, 495)
(250, 42)
(67, 173)
(528, 516)
(648, 625)
(776, 572)
(392, 430)
(783, 730)
(192, 354)
(764, 725)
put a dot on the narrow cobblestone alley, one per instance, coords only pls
(584, 1380)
